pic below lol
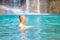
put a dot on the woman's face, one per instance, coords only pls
(23, 19)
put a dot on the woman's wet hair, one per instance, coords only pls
(19, 16)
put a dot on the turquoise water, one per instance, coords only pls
(45, 27)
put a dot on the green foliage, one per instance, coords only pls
(0, 1)
(53, 0)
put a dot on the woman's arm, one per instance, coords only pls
(28, 27)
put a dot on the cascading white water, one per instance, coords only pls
(37, 9)
(16, 3)
(38, 6)
(27, 6)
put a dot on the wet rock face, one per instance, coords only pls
(54, 6)
(43, 6)
(1, 11)
(22, 2)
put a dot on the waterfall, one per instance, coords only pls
(27, 6)
(38, 6)
(15, 3)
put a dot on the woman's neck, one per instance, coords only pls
(22, 22)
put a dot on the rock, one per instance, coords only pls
(1, 11)
(54, 6)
